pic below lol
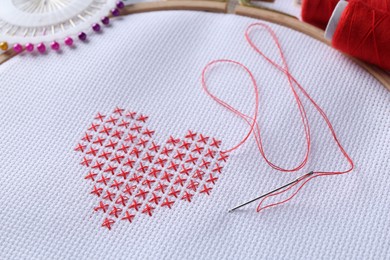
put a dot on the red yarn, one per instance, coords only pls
(318, 12)
(364, 32)
(383, 5)
(296, 89)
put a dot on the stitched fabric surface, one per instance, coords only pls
(151, 63)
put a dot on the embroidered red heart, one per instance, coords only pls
(132, 174)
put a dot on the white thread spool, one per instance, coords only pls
(334, 19)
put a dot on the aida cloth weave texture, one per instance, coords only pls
(151, 63)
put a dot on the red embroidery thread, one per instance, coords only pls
(133, 175)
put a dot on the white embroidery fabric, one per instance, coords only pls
(151, 63)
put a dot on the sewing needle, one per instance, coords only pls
(275, 190)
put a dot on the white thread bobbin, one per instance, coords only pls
(334, 19)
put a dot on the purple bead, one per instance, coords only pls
(120, 5)
(55, 46)
(68, 41)
(96, 27)
(29, 47)
(18, 47)
(82, 36)
(106, 20)
(41, 48)
(115, 12)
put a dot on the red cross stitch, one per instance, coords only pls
(161, 187)
(80, 148)
(198, 149)
(185, 145)
(179, 180)
(161, 161)
(192, 159)
(86, 161)
(136, 152)
(155, 199)
(142, 194)
(117, 134)
(129, 163)
(108, 223)
(185, 170)
(115, 211)
(97, 191)
(167, 177)
(98, 165)
(173, 141)
(136, 128)
(136, 178)
(124, 148)
(130, 138)
(103, 207)
(187, 196)
(148, 132)
(174, 192)
(179, 155)
(117, 158)
(154, 147)
(131, 115)
(148, 183)
(142, 118)
(206, 190)
(109, 195)
(203, 139)
(106, 130)
(191, 135)
(133, 174)
(116, 184)
(103, 180)
(148, 157)
(105, 155)
(135, 205)
(166, 151)
(218, 168)
(129, 189)
(122, 200)
(124, 123)
(154, 172)
(123, 174)
(93, 127)
(100, 117)
(215, 143)
(110, 169)
(193, 185)
(198, 174)
(91, 176)
(112, 144)
(99, 141)
(129, 217)
(142, 142)
(92, 151)
(148, 210)
(167, 203)
(118, 111)
(112, 120)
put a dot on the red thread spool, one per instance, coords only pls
(318, 12)
(379, 4)
(364, 32)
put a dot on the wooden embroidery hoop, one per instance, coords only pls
(244, 9)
